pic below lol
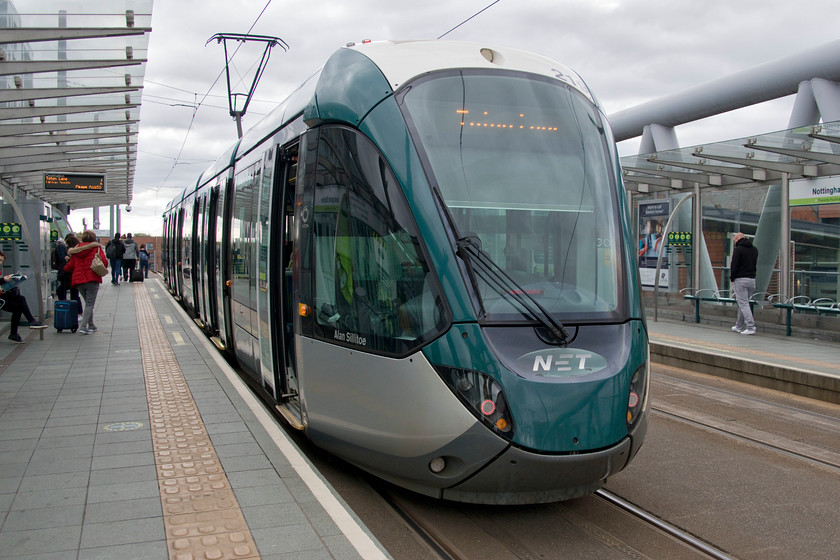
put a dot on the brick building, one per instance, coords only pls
(153, 246)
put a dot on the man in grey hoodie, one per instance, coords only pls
(129, 258)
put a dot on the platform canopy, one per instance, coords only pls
(71, 76)
(806, 152)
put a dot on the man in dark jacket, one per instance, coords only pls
(742, 276)
(114, 251)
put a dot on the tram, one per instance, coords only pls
(423, 258)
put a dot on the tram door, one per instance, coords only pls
(264, 273)
(245, 255)
(284, 290)
(171, 251)
(223, 257)
(205, 271)
(188, 228)
(212, 262)
(198, 243)
(276, 308)
(179, 248)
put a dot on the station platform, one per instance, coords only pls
(796, 365)
(139, 441)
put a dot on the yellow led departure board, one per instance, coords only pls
(93, 182)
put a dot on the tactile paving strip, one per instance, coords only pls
(202, 518)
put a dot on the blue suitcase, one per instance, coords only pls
(66, 315)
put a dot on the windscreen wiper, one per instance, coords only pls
(470, 251)
(478, 261)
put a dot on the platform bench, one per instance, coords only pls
(714, 296)
(803, 304)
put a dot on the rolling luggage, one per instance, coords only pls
(136, 275)
(66, 315)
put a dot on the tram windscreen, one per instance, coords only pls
(521, 163)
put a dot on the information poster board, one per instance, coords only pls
(653, 215)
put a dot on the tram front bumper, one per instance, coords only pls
(521, 477)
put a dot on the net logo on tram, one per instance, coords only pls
(562, 362)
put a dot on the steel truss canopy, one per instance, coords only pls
(71, 76)
(806, 152)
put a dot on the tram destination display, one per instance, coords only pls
(78, 182)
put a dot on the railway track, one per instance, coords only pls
(780, 427)
(803, 451)
(807, 435)
(501, 544)
(423, 533)
(609, 524)
(684, 537)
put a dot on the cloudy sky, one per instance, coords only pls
(628, 51)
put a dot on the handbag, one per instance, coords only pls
(98, 266)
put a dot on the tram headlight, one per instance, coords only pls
(637, 394)
(482, 395)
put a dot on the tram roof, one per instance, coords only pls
(806, 152)
(70, 85)
(400, 61)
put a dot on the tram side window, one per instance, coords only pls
(373, 288)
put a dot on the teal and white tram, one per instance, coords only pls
(423, 257)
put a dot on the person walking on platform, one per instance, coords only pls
(86, 280)
(129, 257)
(114, 251)
(742, 275)
(14, 303)
(57, 262)
(143, 259)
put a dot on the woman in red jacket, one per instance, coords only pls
(83, 278)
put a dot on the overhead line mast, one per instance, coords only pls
(233, 97)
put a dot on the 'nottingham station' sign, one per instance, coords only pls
(77, 182)
(811, 192)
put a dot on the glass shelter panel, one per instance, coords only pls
(815, 242)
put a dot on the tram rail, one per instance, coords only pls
(507, 546)
(754, 438)
(750, 426)
(682, 536)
